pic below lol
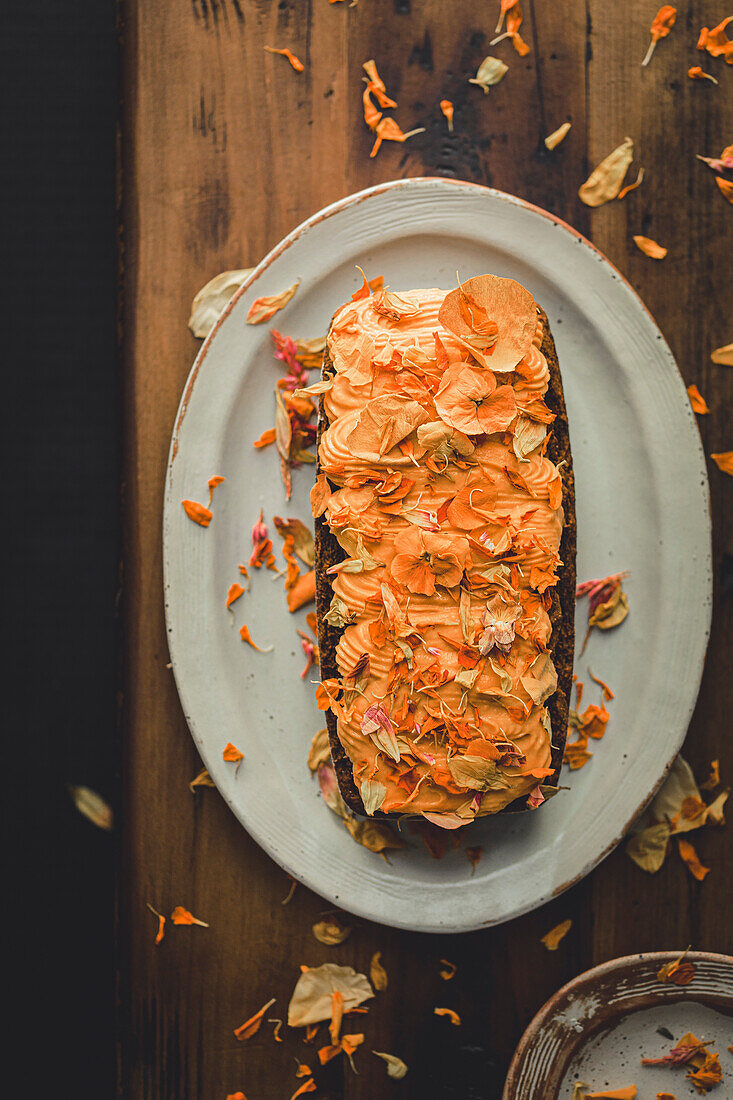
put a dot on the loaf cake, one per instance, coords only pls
(445, 551)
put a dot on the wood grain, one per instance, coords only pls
(224, 150)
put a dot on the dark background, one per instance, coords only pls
(60, 445)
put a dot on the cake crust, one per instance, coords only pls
(328, 552)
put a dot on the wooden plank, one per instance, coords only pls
(226, 149)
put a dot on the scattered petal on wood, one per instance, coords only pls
(247, 637)
(236, 1096)
(183, 916)
(553, 140)
(294, 61)
(289, 896)
(331, 931)
(552, 938)
(490, 72)
(203, 779)
(716, 41)
(454, 1018)
(197, 512)
(311, 1001)
(604, 182)
(723, 356)
(377, 973)
(307, 1086)
(696, 73)
(448, 971)
(662, 24)
(252, 1025)
(631, 186)
(395, 1066)
(388, 130)
(699, 405)
(725, 187)
(262, 309)
(724, 461)
(447, 108)
(211, 299)
(650, 247)
(161, 923)
(691, 858)
(648, 847)
(713, 779)
(93, 807)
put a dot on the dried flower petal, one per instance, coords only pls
(724, 461)
(447, 108)
(262, 309)
(320, 750)
(197, 512)
(93, 807)
(211, 299)
(661, 26)
(395, 1066)
(231, 754)
(376, 85)
(307, 1086)
(252, 1025)
(490, 72)
(677, 971)
(723, 356)
(377, 973)
(245, 635)
(650, 247)
(699, 405)
(713, 779)
(716, 41)
(552, 938)
(690, 857)
(301, 535)
(376, 836)
(725, 187)
(235, 591)
(696, 73)
(161, 923)
(203, 779)
(627, 1093)
(311, 1001)
(183, 916)
(331, 931)
(631, 186)
(294, 61)
(648, 847)
(388, 130)
(448, 971)
(454, 1018)
(267, 437)
(604, 182)
(553, 140)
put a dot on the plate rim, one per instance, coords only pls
(651, 960)
(286, 242)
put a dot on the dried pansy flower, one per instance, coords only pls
(447, 108)
(696, 73)
(661, 26)
(690, 857)
(470, 401)
(723, 356)
(424, 559)
(490, 72)
(395, 1066)
(265, 307)
(494, 319)
(183, 916)
(649, 247)
(552, 939)
(698, 402)
(553, 140)
(294, 61)
(724, 461)
(605, 181)
(211, 299)
(252, 1025)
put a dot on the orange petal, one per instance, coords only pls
(697, 401)
(231, 754)
(691, 858)
(724, 461)
(197, 512)
(503, 301)
(650, 247)
(235, 591)
(294, 61)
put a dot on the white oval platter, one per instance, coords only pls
(642, 505)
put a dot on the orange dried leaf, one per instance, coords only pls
(183, 916)
(696, 73)
(661, 26)
(691, 858)
(231, 754)
(245, 635)
(203, 779)
(650, 248)
(235, 591)
(307, 1086)
(454, 1018)
(262, 309)
(552, 938)
(161, 923)
(724, 461)
(267, 437)
(294, 61)
(699, 405)
(447, 108)
(197, 512)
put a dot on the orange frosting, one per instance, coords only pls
(450, 516)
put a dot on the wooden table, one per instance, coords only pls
(224, 150)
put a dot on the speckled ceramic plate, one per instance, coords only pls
(642, 505)
(598, 1027)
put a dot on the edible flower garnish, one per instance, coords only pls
(211, 299)
(161, 923)
(605, 181)
(447, 108)
(247, 637)
(203, 779)
(514, 21)
(448, 971)
(505, 6)
(232, 755)
(725, 187)
(678, 971)
(199, 513)
(262, 309)
(377, 973)
(698, 402)
(705, 1071)
(312, 999)
(251, 1026)
(490, 72)
(724, 461)
(92, 806)
(696, 73)
(690, 857)
(649, 247)
(553, 140)
(182, 916)
(608, 605)
(716, 41)
(454, 1018)
(662, 24)
(552, 938)
(294, 61)
(387, 129)
(723, 356)
(395, 1066)
(262, 543)
(626, 1093)
(631, 186)
(235, 591)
